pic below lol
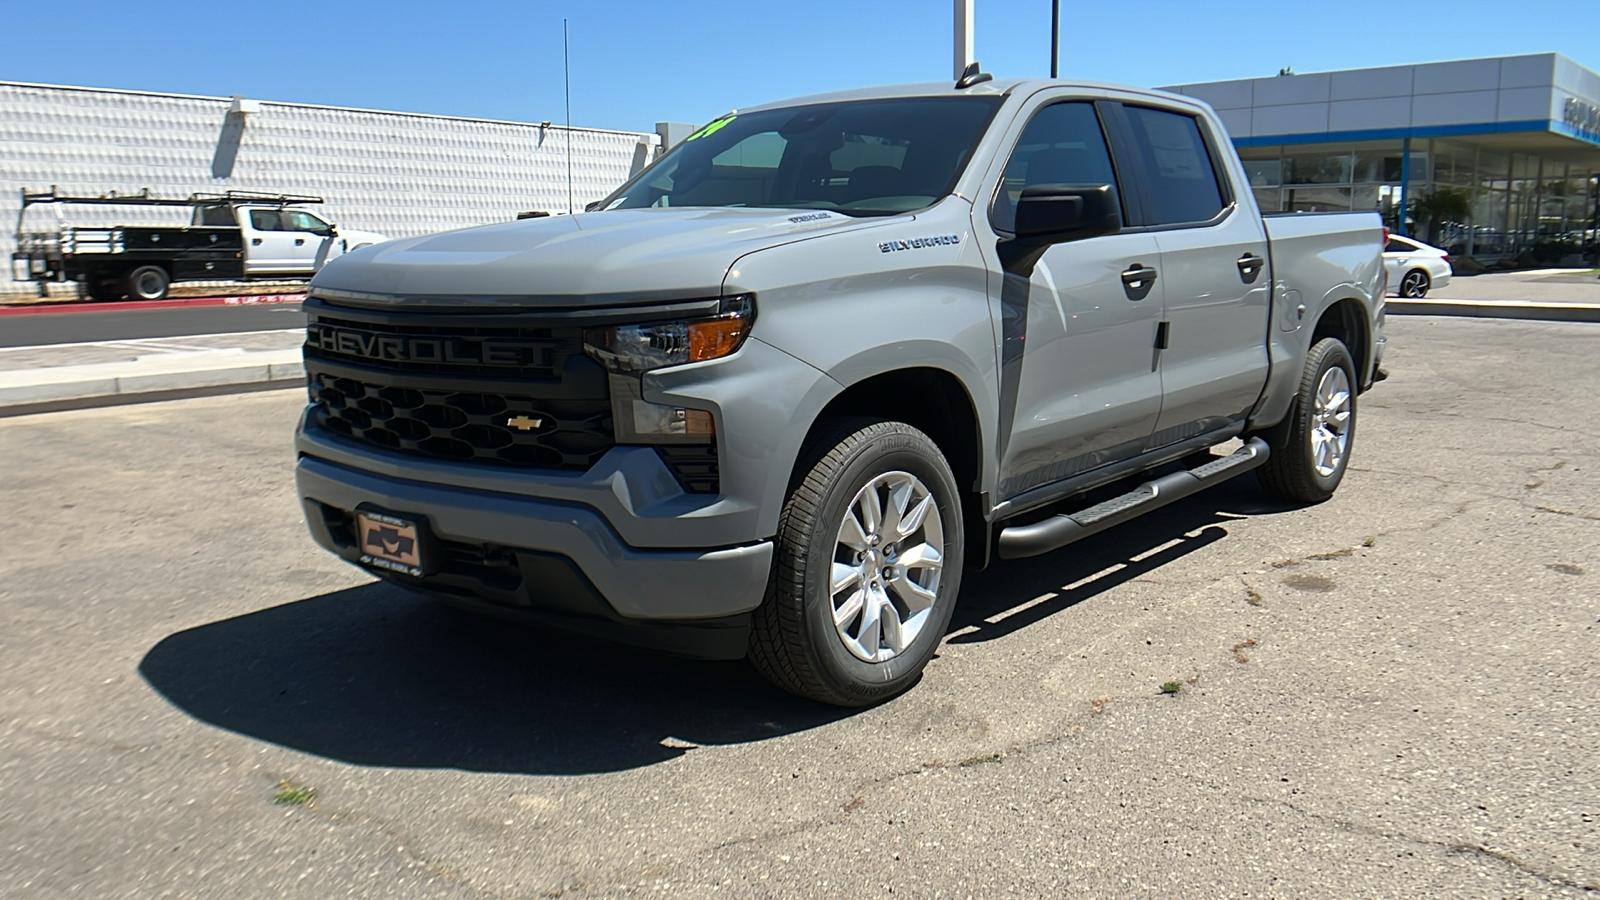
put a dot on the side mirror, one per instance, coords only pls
(591, 206)
(1057, 213)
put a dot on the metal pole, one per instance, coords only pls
(566, 65)
(1405, 186)
(1055, 35)
(963, 36)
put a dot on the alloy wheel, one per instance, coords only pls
(1414, 285)
(1330, 421)
(886, 566)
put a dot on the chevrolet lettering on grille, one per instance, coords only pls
(406, 348)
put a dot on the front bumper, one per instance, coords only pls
(549, 561)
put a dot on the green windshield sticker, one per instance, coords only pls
(713, 128)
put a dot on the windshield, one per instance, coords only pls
(863, 158)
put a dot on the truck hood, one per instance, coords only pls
(617, 257)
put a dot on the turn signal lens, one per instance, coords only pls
(641, 348)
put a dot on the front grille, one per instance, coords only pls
(465, 425)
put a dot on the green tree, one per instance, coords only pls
(1442, 204)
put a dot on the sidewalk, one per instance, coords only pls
(103, 373)
(1558, 295)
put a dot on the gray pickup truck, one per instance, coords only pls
(773, 394)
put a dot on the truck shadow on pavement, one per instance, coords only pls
(376, 676)
(1012, 594)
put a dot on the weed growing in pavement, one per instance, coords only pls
(1171, 687)
(292, 795)
(971, 761)
(1370, 541)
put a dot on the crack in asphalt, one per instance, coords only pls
(1459, 847)
(1426, 412)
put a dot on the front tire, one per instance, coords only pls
(1311, 449)
(148, 283)
(868, 564)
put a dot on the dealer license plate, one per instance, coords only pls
(389, 542)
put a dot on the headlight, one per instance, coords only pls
(640, 348)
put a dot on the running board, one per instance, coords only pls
(1061, 530)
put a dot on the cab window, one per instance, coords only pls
(299, 220)
(1063, 144)
(265, 220)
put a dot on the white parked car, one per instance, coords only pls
(1414, 267)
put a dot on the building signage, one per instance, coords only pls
(1582, 117)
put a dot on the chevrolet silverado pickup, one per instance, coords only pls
(775, 392)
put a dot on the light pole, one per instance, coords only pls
(1055, 35)
(963, 36)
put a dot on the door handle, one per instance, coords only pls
(1139, 277)
(299, 242)
(1250, 266)
(255, 242)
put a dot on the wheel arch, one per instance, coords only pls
(941, 407)
(1346, 320)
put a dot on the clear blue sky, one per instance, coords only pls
(635, 63)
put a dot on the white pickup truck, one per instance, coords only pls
(236, 236)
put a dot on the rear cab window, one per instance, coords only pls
(265, 220)
(1180, 176)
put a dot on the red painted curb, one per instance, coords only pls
(127, 305)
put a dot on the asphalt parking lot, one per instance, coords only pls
(1390, 694)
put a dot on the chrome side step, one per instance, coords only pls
(1061, 530)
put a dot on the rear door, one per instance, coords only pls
(1217, 297)
(1079, 386)
(269, 249)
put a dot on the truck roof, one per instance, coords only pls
(996, 87)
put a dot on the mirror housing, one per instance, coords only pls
(1058, 213)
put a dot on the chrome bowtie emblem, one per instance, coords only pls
(524, 423)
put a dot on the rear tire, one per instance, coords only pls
(858, 601)
(1311, 448)
(148, 283)
(1414, 284)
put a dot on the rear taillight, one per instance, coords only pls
(1386, 235)
(1446, 259)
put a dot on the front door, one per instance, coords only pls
(1079, 385)
(312, 239)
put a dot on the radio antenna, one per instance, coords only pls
(567, 66)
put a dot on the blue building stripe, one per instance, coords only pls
(1383, 134)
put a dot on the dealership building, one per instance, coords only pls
(1516, 137)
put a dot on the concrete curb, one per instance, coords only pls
(1497, 309)
(76, 306)
(158, 377)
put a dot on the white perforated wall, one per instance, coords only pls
(401, 174)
